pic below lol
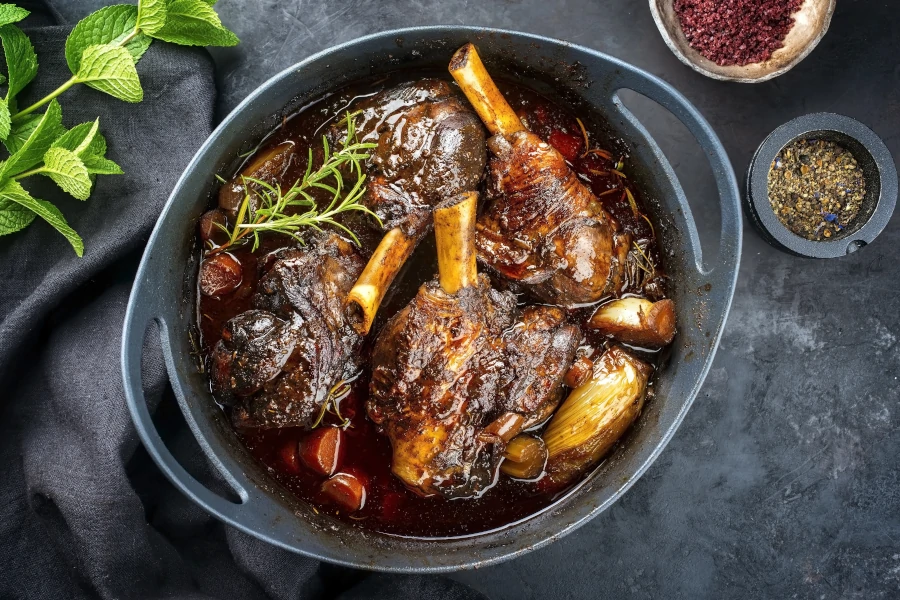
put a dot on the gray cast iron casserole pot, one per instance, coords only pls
(164, 292)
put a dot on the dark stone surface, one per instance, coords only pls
(783, 481)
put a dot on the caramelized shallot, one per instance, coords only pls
(525, 457)
(220, 274)
(637, 321)
(267, 167)
(595, 415)
(211, 224)
(579, 372)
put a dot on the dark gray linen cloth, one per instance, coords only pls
(84, 512)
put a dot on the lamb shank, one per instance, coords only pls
(457, 373)
(542, 228)
(277, 362)
(430, 146)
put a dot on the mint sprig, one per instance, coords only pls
(109, 25)
(101, 51)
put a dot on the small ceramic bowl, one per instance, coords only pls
(810, 24)
(870, 153)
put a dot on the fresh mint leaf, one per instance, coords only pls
(78, 138)
(5, 120)
(98, 165)
(12, 191)
(20, 131)
(14, 217)
(73, 137)
(21, 61)
(194, 23)
(101, 52)
(2, 78)
(109, 25)
(97, 147)
(86, 142)
(38, 142)
(10, 13)
(151, 15)
(88, 138)
(110, 69)
(95, 160)
(68, 171)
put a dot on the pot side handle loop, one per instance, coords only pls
(138, 316)
(730, 201)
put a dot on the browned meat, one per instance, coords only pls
(279, 361)
(431, 146)
(455, 375)
(537, 352)
(254, 348)
(435, 377)
(544, 228)
(447, 366)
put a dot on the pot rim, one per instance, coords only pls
(504, 550)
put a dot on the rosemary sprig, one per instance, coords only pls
(632, 202)
(332, 403)
(584, 135)
(644, 262)
(278, 213)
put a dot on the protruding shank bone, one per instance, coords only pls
(366, 296)
(475, 82)
(454, 231)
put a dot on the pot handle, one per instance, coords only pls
(137, 317)
(669, 98)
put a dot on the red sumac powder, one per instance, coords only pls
(736, 32)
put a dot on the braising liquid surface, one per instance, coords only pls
(390, 507)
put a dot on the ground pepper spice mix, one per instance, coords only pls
(736, 32)
(816, 188)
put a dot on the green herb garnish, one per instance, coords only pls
(332, 403)
(279, 212)
(101, 52)
(644, 262)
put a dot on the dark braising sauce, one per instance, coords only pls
(389, 506)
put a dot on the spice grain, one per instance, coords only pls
(816, 188)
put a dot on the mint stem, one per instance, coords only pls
(47, 99)
(29, 173)
(18, 116)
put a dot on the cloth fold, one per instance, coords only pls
(84, 512)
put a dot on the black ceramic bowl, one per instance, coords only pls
(870, 153)
(165, 290)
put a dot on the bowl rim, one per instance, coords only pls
(140, 307)
(757, 197)
(810, 46)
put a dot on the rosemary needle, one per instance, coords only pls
(278, 208)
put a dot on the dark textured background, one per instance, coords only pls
(783, 481)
